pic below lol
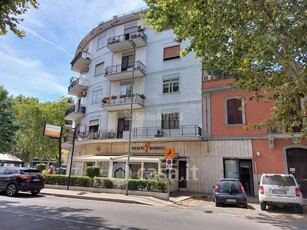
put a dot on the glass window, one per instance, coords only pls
(104, 168)
(99, 69)
(234, 112)
(171, 85)
(231, 168)
(101, 42)
(96, 96)
(125, 89)
(170, 120)
(171, 52)
(136, 170)
(150, 170)
(278, 180)
(119, 170)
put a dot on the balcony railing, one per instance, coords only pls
(77, 86)
(75, 112)
(122, 42)
(122, 102)
(124, 72)
(144, 132)
(81, 62)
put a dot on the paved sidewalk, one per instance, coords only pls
(175, 197)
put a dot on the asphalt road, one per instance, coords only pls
(48, 212)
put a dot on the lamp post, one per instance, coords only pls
(72, 154)
(127, 171)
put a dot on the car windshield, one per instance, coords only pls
(2, 170)
(278, 180)
(229, 184)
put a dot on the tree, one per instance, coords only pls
(260, 43)
(9, 12)
(32, 116)
(7, 122)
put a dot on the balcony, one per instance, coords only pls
(77, 86)
(75, 112)
(120, 103)
(81, 62)
(144, 132)
(120, 72)
(278, 134)
(121, 42)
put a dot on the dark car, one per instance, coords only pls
(229, 191)
(15, 179)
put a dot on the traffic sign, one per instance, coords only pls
(169, 153)
(169, 163)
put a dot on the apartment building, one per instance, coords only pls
(123, 64)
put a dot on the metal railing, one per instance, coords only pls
(126, 37)
(143, 132)
(74, 81)
(84, 55)
(123, 100)
(76, 109)
(138, 65)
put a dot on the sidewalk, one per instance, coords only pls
(175, 197)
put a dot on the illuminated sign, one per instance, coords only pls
(52, 131)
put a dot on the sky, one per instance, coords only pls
(39, 64)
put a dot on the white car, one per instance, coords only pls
(280, 190)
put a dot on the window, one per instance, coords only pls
(96, 96)
(125, 88)
(170, 120)
(171, 85)
(119, 170)
(99, 69)
(234, 114)
(104, 168)
(128, 29)
(171, 52)
(101, 42)
(127, 61)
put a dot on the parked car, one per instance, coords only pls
(280, 190)
(229, 191)
(15, 179)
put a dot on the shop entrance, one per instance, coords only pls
(240, 169)
(297, 165)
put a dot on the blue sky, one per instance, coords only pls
(39, 64)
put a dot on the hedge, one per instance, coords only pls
(133, 184)
(57, 179)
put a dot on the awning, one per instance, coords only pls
(122, 158)
(9, 157)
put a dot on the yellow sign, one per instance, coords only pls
(169, 153)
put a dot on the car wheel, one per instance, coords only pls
(263, 206)
(300, 209)
(11, 190)
(217, 204)
(35, 192)
(245, 205)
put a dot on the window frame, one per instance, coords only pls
(173, 54)
(172, 119)
(98, 99)
(170, 80)
(102, 69)
(102, 44)
(242, 111)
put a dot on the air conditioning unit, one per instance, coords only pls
(207, 77)
(158, 133)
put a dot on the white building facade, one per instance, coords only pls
(123, 63)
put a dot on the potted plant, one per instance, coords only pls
(113, 97)
(105, 99)
(142, 96)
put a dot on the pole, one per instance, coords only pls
(71, 157)
(127, 171)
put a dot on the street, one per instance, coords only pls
(48, 212)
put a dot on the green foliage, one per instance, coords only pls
(41, 167)
(8, 124)
(92, 171)
(32, 116)
(57, 179)
(10, 10)
(133, 184)
(261, 43)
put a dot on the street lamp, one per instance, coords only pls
(72, 154)
(127, 171)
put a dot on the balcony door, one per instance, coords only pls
(127, 61)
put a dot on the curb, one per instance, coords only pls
(95, 198)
